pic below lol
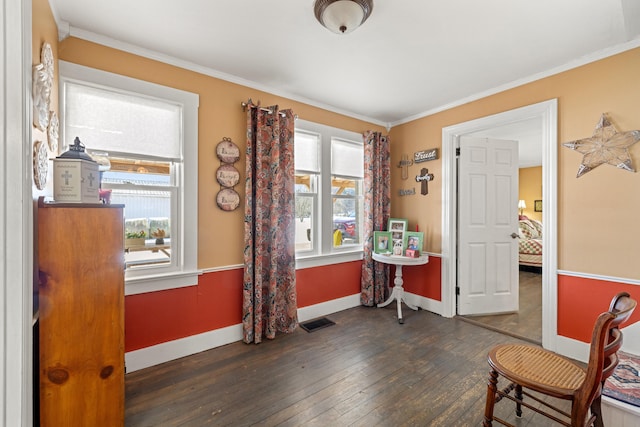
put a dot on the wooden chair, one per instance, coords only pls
(529, 367)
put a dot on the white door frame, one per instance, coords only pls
(16, 215)
(547, 111)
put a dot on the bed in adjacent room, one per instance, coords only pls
(530, 244)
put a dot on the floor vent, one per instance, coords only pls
(314, 325)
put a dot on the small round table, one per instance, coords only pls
(398, 291)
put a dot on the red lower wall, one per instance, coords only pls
(424, 280)
(581, 300)
(216, 302)
(158, 317)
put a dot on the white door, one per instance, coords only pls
(487, 226)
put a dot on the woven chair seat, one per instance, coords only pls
(532, 368)
(527, 364)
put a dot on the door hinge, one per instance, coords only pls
(458, 152)
(457, 290)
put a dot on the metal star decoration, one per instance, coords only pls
(606, 145)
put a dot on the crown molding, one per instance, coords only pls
(595, 56)
(167, 59)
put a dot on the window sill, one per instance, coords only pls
(327, 259)
(161, 282)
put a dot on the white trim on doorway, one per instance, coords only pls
(16, 215)
(547, 112)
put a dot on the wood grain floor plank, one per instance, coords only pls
(367, 370)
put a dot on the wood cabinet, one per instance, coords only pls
(81, 296)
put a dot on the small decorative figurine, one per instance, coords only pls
(397, 248)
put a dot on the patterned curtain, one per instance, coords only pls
(269, 291)
(377, 208)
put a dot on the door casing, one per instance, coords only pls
(547, 111)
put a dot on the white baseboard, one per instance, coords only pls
(325, 308)
(619, 414)
(160, 353)
(579, 350)
(573, 349)
(425, 303)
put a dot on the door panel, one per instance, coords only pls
(488, 215)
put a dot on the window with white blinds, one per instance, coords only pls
(329, 172)
(148, 133)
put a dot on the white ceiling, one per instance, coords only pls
(409, 59)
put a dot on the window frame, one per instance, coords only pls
(324, 253)
(185, 271)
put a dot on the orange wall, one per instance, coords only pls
(220, 115)
(595, 212)
(530, 189)
(216, 302)
(44, 29)
(602, 202)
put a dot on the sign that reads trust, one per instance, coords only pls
(425, 155)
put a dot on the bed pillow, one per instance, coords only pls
(538, 226)
(528, 230)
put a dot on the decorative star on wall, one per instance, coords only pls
(607, 145)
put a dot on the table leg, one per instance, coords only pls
(397, 294)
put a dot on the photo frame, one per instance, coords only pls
(397, 224)
(537, 205)
(381, 240)
(397, 227)
(414, 240)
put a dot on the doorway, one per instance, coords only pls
(546, 113)
(516, 308)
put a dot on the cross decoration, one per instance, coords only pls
(404, 165)
(424, 179)
(66, 175)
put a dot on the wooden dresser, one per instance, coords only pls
(81, 297)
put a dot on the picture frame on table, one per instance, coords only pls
(397, 224)
(381, 240)
(414, 240)
(397, 227)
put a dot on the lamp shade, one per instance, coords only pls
(342, 16)
(522, 204)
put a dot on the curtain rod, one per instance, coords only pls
(250, 104)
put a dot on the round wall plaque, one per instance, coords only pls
(228, 199)
(53, 132)
(40, 164)
(227, 175)
(227, 151)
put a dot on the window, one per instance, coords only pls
(146, 136)
(329, 165)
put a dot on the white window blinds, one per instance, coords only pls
(307, 151)
(116, 122)
(347, 158)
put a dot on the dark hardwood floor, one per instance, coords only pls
(527, 322)
(366, 370)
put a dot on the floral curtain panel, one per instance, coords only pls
(269, 290)
(377, 208)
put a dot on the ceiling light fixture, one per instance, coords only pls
(342, 16)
